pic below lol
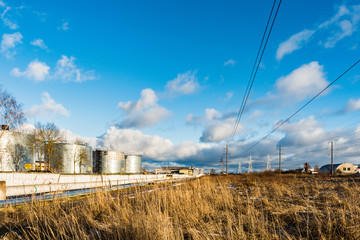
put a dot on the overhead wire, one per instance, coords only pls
(255, 69)
(301, 108)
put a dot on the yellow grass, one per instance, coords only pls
(256, 206)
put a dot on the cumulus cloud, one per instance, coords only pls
(184, 84)
(143, 113)
(148, 98)
(217, 131)
(295, 42)
(67, 71)
(39, 43)
(304, 132)
(37, 71)
(217, 126)
(48, 108)
(210, 114)
(230, 62)
(8, 42)
(352, 105)
(303, 82)
(6, 18)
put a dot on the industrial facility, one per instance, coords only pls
(14, 153)
(18, 152)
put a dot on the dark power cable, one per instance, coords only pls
(307, 103)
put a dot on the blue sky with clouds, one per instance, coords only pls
(166, 78)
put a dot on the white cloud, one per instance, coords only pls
(304, 132)
(352, 105)
(148, 98)
(184, 84)
(8, 42)
(229, 95)
(217, 126)
(343, 24)
(230, 62)
(48, 108)
(303, 82)
(37, 71)
(295, 42)
(64, 26)
(343, 10)
(219, 130)
(345, 29)
(6, 18)
(39, 43)
(143, 113)
(67, 71)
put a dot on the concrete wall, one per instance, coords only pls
(32, 183)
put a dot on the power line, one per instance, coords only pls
(307, 103)
(255, 69)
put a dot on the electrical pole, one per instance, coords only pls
(332, 158)
(280, 159)
(227, 154)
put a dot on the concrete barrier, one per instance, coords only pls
(32, 183)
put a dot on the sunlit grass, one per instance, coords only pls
(216, 207)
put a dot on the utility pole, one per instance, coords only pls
(280, 159)
(332, 158)
(227, 154)
(250, 165)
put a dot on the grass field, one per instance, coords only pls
(257, 206)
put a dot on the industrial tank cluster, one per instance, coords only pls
(69, 158)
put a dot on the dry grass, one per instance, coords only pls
(217, 207)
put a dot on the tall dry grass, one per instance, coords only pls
(234, 207)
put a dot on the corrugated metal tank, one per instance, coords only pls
(109, 162)
(133, 163)
(12, 145)
(73, 158)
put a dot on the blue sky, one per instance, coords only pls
(166, 78)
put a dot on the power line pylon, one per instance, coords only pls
(268, 166)
(226, 158)
(222, 165)
(250, 170)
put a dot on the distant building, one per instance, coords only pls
(340, 169)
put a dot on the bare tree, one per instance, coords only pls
(43, 142)
(81, 156)
(18, 155)
(11, 113)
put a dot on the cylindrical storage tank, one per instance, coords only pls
(133, 163)
(15, 151)
(109, 162)
(72, 158)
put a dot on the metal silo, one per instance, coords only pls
(72, 158)
(15, 155)
(133, 163)
(109, 162)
